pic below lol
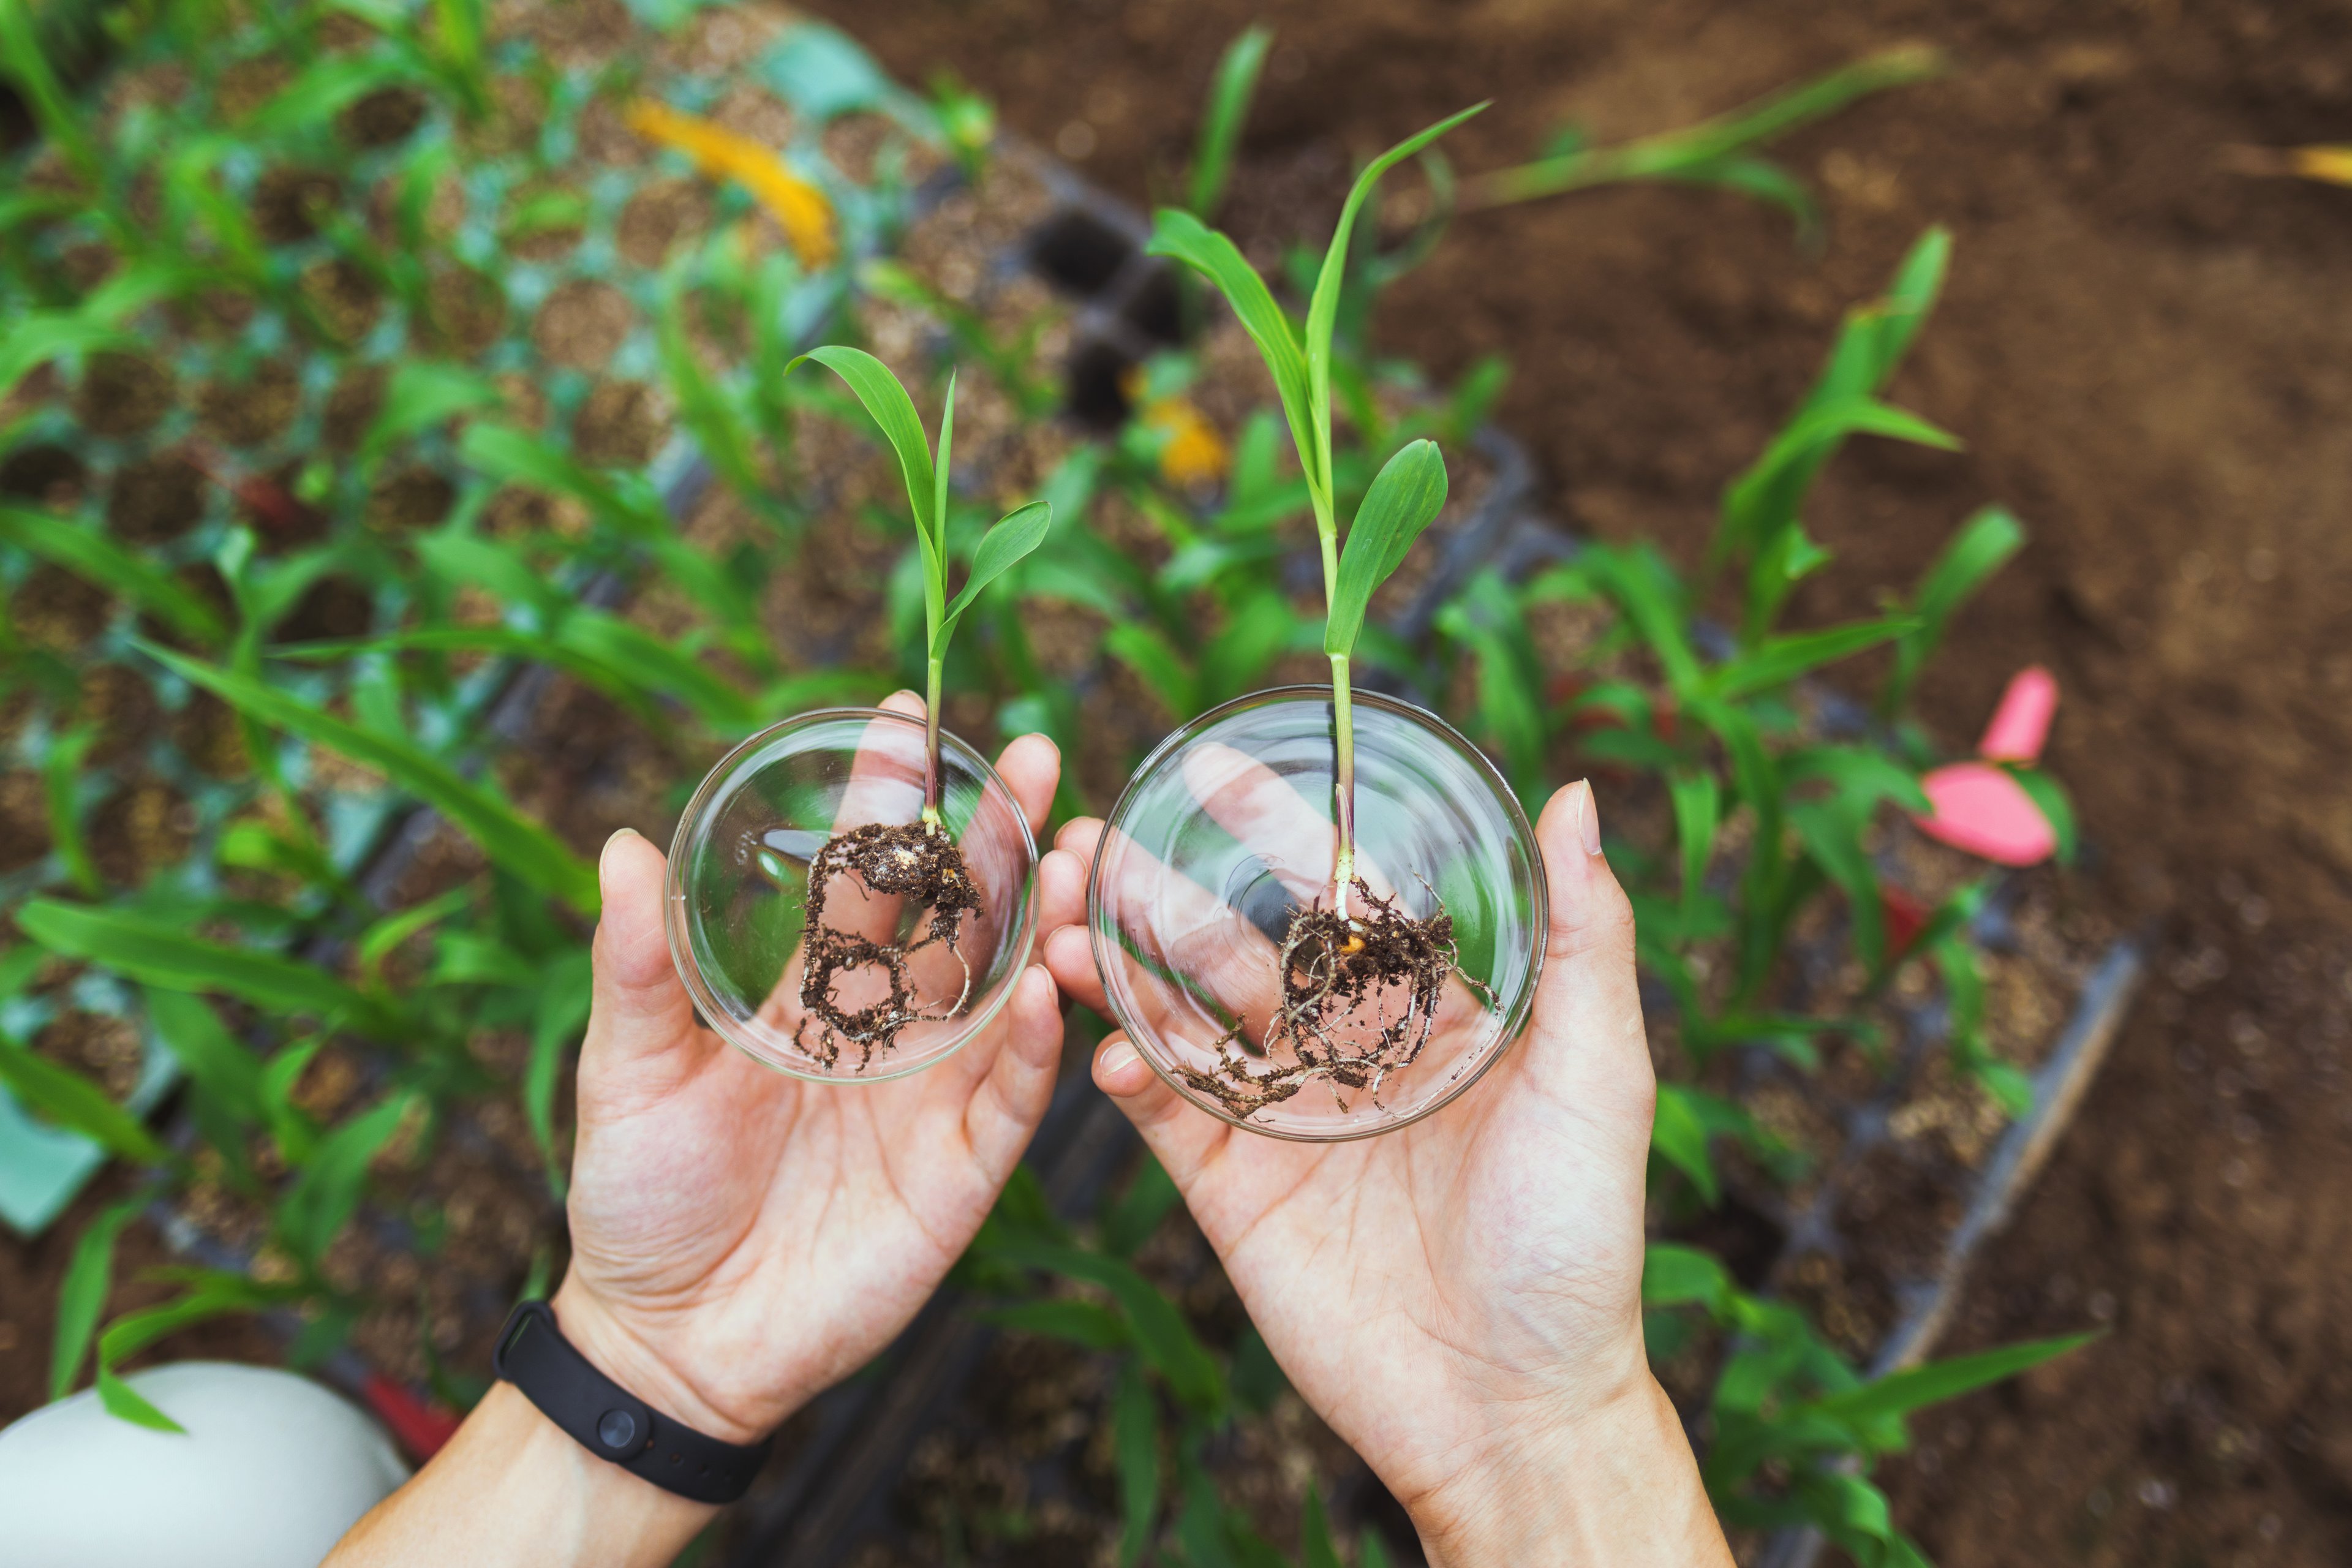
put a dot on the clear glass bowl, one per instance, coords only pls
(1226, 834)
(739, 891)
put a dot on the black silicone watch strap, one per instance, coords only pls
(612, 1423)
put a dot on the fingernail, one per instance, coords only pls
(1116, 1059)
(907, 692)
(618, 834)
(1588, 816)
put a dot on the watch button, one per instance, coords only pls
(618, 1429)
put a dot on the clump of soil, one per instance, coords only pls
(914, 861)
(1334, 968)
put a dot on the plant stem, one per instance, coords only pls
(1343, 720)
(932, 743)
(1343, 780)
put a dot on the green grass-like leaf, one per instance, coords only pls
(511, 840)
(76, 1103)
(81, 1295)
(157, 953)
(1230, 93)
(80, 548)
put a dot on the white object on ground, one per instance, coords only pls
(272, 1470)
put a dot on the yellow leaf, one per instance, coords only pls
(2333, 164)
(723, 154)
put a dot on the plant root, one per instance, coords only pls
(915, 861)
(1334, 967)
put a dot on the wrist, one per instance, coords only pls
(630, 1358)
(513, 1487)
(1616, 1484)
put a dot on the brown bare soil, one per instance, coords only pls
(2150, 359)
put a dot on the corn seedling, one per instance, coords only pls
(917, 861)
(1722, 151)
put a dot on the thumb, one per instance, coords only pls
(640, 1009)
(1587, 1043)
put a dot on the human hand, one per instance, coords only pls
(1461, 1299)
(742, 1238)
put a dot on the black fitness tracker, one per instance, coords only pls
(612, 1423)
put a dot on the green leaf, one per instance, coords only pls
(74, 1102)
(1702, 152)
(1148, 1198)
(1012, 537)
(1982, 547)
(1185, 238)
(1135, 1432)
(327, 1193)
(1323, 309)
(217, 1061)
(874, 385)
(1698, 812)
(1229, 102)
(1777, 661)
(383, 937)
(615, 655)
(1409, 492)
(1157, 664)
(2049, 798)
(511, 840)
(125, 1403)
(1787, 560)
(1846, 1507)
(716, 419)
(62, 776)
(1765, 497)
(423, 393)
(53, 109)
(1679, 1137)
(1257, 1378)
(1166, 1340)
(1647, 593)
(1861, 776)
(1833, 838)
(507, 454)
(80, 548)
(1674, 1276)
(561, 1013)
(1080, 1322)
(1316, 1547)
(1900, 1393)
(329, 85)
(81, 1297)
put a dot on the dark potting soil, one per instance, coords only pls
(2149, 361)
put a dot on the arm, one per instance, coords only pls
(1461, 1299)
(741, 1240)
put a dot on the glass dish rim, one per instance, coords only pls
(1515, 1024)
(681, 948)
